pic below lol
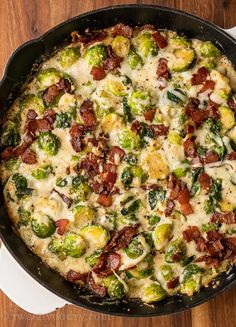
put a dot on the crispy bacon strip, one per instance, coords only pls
(190, 148)
(90, 165)
(193, 233)
(122, 238)
(211, 157)
(76, 133)
(73, 276)
(200, 77)
(231, 156)
(173, 283)
(232, 103)
(50, 94)
(159, 40)
(208, 85)
(169, 207)
(88, 38)
(29, 157)
(98, 289)
(159, 130)
(149, 115)
(62, 225)
(98, 73)
(184, 198)
(205, 181)
(106, 264)
(124, 30)
(162, 69)
(116, 154)
(105, 200)
(227, 217)
(87, 113)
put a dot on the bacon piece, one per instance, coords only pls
(136, 126)
(198, 116)
(208, 85)
(112, 63)
(211, 157)
(99, 187)
(230, 243)
(50, 94)
(169, 207)
(62, 225)
(98, 289)
(87, 113)
(200, 77)
(192, 233)
(122, 238)
(106, 264)
(227, 217)
(109, 177)
(159, 40)
(88, 38)
(146, 27)
(31, 114)
(205, 181)
(183, 198)
(98, 73)
(189, 129)
(43, 125)
(231, 156)
(214, 235)
(210, 261)
(124, 30)
(116, 154)
(213, 248)
(73, 276)
(68, 201)
(50, 116)
(8, 153)
(29, 157)
(105, 200)
(175, 185)
(159, 130)
(173, 283)
(76, 132)
(189, 147)
(90, 165)
(213, 109)
(232, 103)
(149, 115)
(162, 69)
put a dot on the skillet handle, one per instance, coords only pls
(23, 290)
(231, 31)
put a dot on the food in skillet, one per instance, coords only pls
(119, 163)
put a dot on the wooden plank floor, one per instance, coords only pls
(21, 20)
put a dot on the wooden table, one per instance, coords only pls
(21, 20)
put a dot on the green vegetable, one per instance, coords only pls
(43, 172)
(95, 235)
(139, 101)
(48, 77)
(176, 251)
(192, 275)
(129, 140)
(80, 187)
(48, 143)
(209, 227)
(167, 272)
(135, 249)
(11, 164)
(69, 56)
(93, 258)
(215, 195)
(71, 245)
(127, 177)
(226, 117)
(176, 96)
(146, 45)
(96, 54)
(153, 220)
(21, 186)
(115, 288)
(155, 196)
(116, 87)
(130, 158)
(143, 269)
(121, 46)
(153, 293)
(61, 182)
(126, 110)
(111, 219)
(185, 59)
(180, 172)
(174, 138)
(137, 171)
(32, 101)
(195, 188)
(63, 120)
(83, 215)
(178, 41)
(24, 217)
(45, 229)
(10, 135)
(209, 50)
(134, 60)
(161, 235)
(132, 208)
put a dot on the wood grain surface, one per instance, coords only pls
(21, 20)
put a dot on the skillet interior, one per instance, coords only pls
(27, 55)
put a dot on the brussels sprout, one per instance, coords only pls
(134, 60)
(178, 41)
(185, 59)
(146, 45)
(71, 245)
(48, 77)
(116, 87)
(209, 63)
(153, 220)
(180, 172)
(21, 186)
(176, 251)
(95, 235)
(80, 187)
(11, 164)
(143, 269)
(24, 217)
(10, 135)
(121, 45)
(83, 215)
(192, 276)
(167, 272)
(132, 208)
(126, 110)
(126, 177)
(129, 140)
(139, 101)
(209, 50)
(96, 54)
(48, 143)
(93, 258)
(138, 172)
(115, 288)
(226, 117)
(174, 138)
(63, 120)
(61, 182)
(32, 101)
(44, 229)
(161, 235)
(176, 95)
(155, 196)
(69, 56)
(130, 158)
(42, 172)
(153, 293)
(135, 249)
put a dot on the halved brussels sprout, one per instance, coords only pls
(146, 45)
(80, 187)
(131, 159)
(153, 293)
(139, 101)
(96, 54)
(167, 272)
(69, 56)
(95, 235)
(24, 217)
(161, 235)
(174, 138)
(185, 59)
(209, 50)
(32, 101)
(48, 77)
(227, 117)
(83, 215)
(48, 143)
(176, 251)
(134, 60)
(42, 172)
(180, 172)
(135, 249)
(143, 270)
(43, 229)
(71, 245)
(116, 87)
(115, 288)
(63, 120)
(121, 45)
(192, 277)
(10, 135)
(129, 140)
(137, 171)
(178, 41)
(21, 186)
(93, 257)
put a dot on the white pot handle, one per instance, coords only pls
(231, 31)
(23, 290)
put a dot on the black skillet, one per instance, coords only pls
(20, 65)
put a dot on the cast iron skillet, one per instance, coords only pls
(20, 64)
